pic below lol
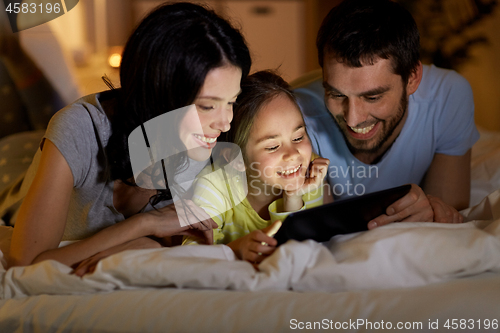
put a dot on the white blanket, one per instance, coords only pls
(397, 255)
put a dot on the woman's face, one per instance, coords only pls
(278, 150)
(202, 125)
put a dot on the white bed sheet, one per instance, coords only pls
(396, 255)
(402, 273)
(485, 166)
(173, 310)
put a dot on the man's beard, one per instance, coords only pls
(388, 128)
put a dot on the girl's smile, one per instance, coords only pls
(290, 173)
(278, 149)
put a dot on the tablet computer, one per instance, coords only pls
(340, 217)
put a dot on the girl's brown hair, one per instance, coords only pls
(257, 90)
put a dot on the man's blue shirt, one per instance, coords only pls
(440, 120)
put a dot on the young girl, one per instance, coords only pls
(81, 184)
(282, 173)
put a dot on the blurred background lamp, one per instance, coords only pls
(114, 60)
(115, 56)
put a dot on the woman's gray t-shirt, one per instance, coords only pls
(81, 132)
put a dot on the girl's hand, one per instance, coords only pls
(317, 172)
(184, 218)
(257, 245)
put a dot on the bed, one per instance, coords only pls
(411, 276)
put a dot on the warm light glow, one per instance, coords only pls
(115, 60)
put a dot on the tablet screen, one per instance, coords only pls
(340, 217)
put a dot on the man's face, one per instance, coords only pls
(368, 103)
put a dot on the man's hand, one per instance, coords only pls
(444, 213)
(413, 207)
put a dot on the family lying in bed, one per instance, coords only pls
(376, 105)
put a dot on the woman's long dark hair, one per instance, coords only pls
(164, 65)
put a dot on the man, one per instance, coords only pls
(384, 119)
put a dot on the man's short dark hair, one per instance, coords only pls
(357, 32)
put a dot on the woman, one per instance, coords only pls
(82, 183)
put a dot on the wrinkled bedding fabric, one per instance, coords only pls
(397, 255)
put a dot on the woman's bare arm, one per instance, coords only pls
(42, 219)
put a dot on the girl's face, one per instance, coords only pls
(201, 126)
(278, 150)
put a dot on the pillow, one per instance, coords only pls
(16, 153)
